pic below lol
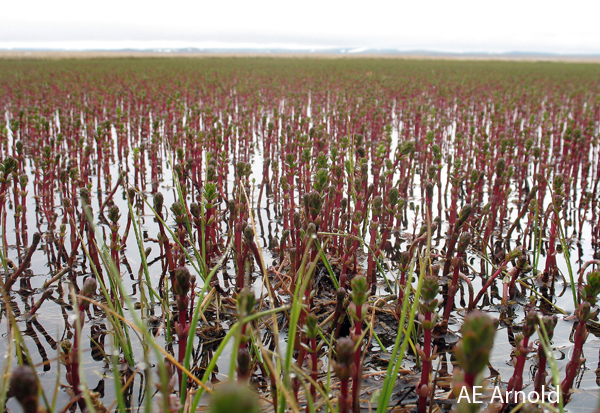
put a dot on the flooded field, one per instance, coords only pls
(322, 231)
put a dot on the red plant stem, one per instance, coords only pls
(487, 285)
(314, 366)
(344, 398)
(513, 280)
(515, 383)
(426, 367)
(182, 328)
(114, 250)
(357, 361)
(575, 362)
(540, 377)
(166, 243)
(453, 288)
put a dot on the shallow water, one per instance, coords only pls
(53, 322)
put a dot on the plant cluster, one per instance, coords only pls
(300, 228)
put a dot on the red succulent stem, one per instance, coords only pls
(357, 360)
(423, 386)
(453, 288)
(575, 362)
(487, 285)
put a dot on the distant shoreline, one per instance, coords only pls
(58, 55)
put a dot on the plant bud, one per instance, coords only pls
(245, 302)
(248, 234)
(344, 203)
(531, 320)
(584, 312)
(404, 260)
(345, 357)
(429, 189)
(429, 289)
(557, 183)
(341, 297)
(297, 219)
(473, 350)
(465, 213)
(158, 202)
(25, 388)
(463, 242)
(181, 281)
(210, 191)
(393, 195)
(514, 254)
(23, 180)
(233, 397)
(84, 193)
(114, 214)
(500, 166)
(177, 209)
(65, 347)
(359, 290)
(589, 291)
(549, 323)
(88, 291)
(195, 209)
(312, 326)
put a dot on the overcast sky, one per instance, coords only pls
(464, 25)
